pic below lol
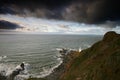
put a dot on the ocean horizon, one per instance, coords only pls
(38, 51)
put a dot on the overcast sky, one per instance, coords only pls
(67, 16)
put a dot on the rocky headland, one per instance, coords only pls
(99, 62)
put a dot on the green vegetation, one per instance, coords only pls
(99, 62)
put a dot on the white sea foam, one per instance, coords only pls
(58, 49)
(47, 72)
(24, 74)
(2, 57)
(7, 69)
(80, 49)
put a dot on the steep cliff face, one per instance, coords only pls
(99, 62)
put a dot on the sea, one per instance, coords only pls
(39, 52)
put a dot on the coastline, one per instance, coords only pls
(61, 68)
(99, 62)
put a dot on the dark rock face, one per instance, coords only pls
(2, 77)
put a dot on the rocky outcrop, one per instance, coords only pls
(13, 73)
(99, 62)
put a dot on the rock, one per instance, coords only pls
(110, 36)
(99, 62)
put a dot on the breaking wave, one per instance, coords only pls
(2, 57)
(7, 69)
(47, 72)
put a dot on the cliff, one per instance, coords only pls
(99, 62)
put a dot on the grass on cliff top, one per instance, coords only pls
(100, 62)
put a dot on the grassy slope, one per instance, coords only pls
(100, 62)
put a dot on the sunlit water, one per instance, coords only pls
(38, 51)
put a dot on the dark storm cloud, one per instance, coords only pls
(7, 25)
(93, 11)
(38, 8)
(89, 11)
